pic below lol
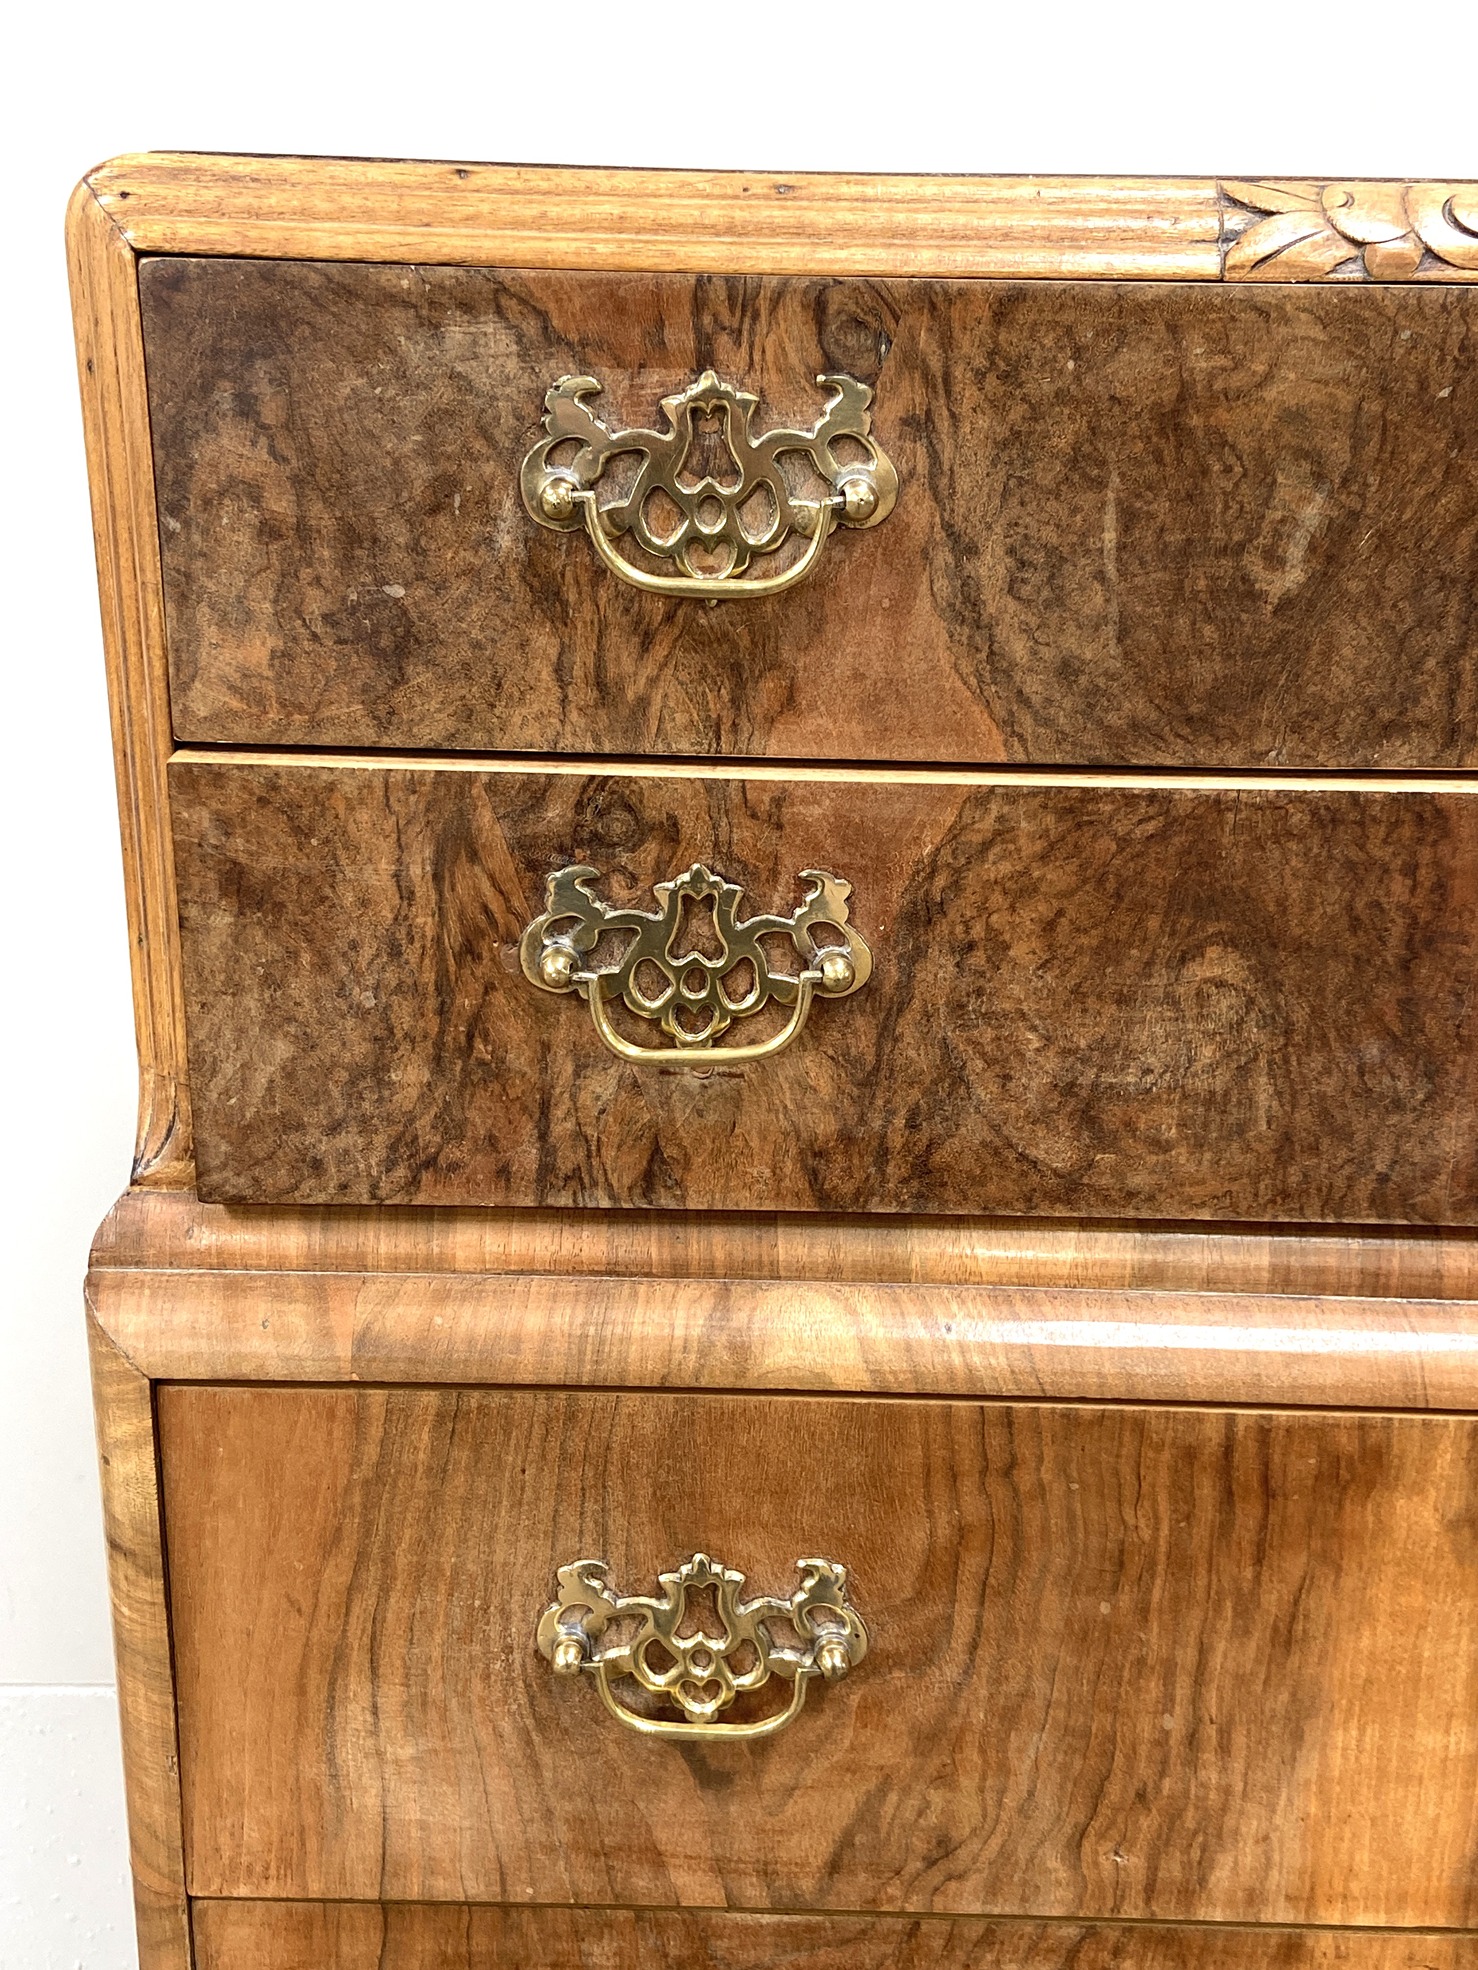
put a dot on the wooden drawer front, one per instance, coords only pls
(364, 1936)
(1165, 1001)
(1139, 523)
(1182, 1664)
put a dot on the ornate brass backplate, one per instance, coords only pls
(697, 1672)
(708, 525)
(700, 995)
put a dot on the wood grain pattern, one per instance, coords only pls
(862, 1305)
(1128, 1662)
(110, 368)
(1166, 1001)
(1138, 525)
(868, 1339)
(124, 1411)
(1125, 1662)
(162, 1230)
(364, 1936)
(695, 221)
(1382, 230)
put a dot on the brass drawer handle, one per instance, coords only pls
(697, 1673)
(697, 999)
(710, 527)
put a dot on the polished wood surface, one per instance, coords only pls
(627, 1299)
(1125, 1662)
(724, 222)
(1090, 998)
(865, 1339)
(490, 216)
(1138, 525)
(363, 1936)
(163, 1231)
(1158, 1664)
(124, 1410)
(115, 415)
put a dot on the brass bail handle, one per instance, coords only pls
(696, 1000)
(707, 530)
(698, 1673)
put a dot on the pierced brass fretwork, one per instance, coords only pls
(700, 994)
(710, 527)
(699, 1673)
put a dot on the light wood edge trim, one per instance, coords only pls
(725, 1335)
(664, 221)
(616, 766)
(110, 367)
(124, 1411)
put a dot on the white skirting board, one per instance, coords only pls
(65, 1902)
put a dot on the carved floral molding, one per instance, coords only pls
(1296, 230)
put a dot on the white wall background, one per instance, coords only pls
(1259, 87)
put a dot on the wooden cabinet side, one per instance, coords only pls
(123, 1403)
(115, 417)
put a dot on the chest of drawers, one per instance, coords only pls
(800, 1282)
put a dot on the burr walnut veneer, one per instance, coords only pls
(1184, 526)
(801, 1282)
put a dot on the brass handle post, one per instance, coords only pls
(697, 999)
(703, 533)
(697, 1673)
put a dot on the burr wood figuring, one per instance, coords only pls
(801, 1281)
